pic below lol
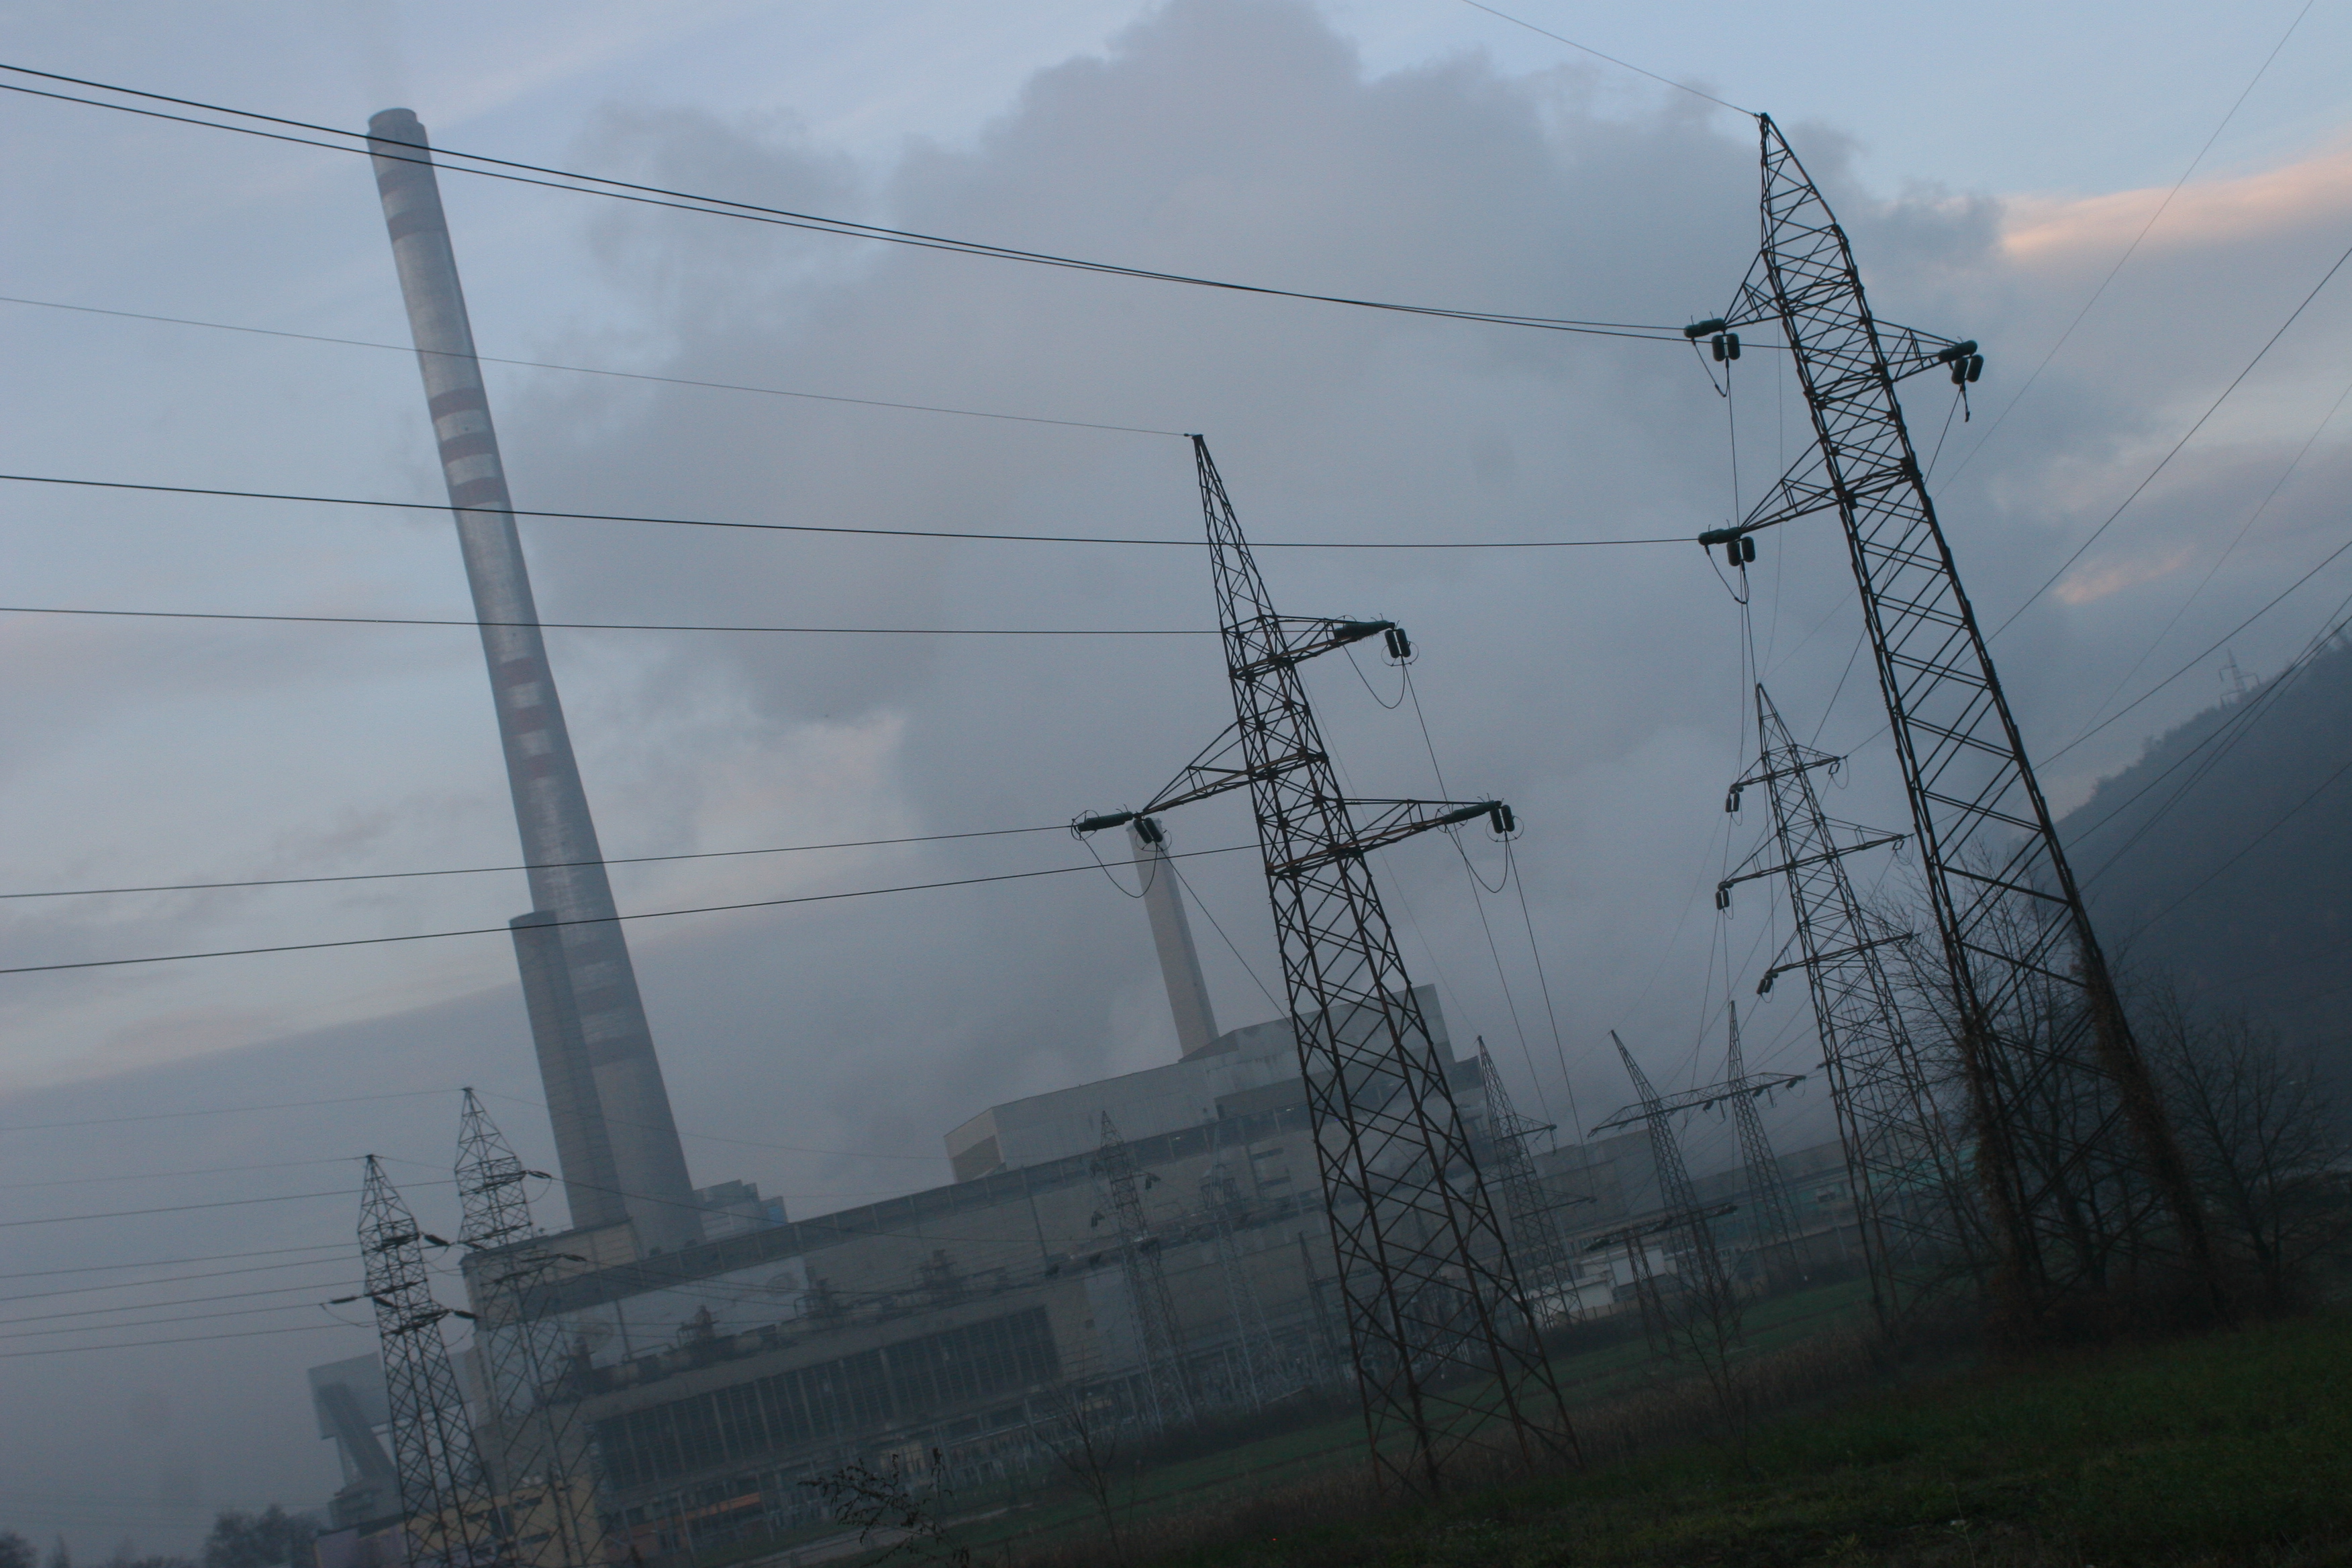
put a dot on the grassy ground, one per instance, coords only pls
(2229, 1449)
(1232, 1476)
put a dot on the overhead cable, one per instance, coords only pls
(619, 625)
(1612, 60)
(2161, 207)
(483, 167)
(524, 866)
(828, 528)
(594, 370)
(2174, 450)
(592, 919)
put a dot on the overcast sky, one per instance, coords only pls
(1993, 166)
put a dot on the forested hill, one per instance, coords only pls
(2225, 854)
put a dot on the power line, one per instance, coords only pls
(545, 178)
(311, 1287)
(826, 527)
(2244, 850)
(715, 1138)
(592, 369)
(1612, 60)
(2161, 207)
(528, 866)
(339, 1249)
(186, 1208)
(172, 1175)
(218, 1110)
(620, 625)
(596, 920)
(341, 1254)
(2207, 652)
(184, 1340)
(2174, 451)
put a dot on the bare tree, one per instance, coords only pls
(2263, 1138)
(1082, 1432)
(887, 1500)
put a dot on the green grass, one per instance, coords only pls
(2230, 1449)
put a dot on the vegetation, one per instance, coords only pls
(2231, 1448)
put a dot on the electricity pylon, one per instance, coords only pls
(2084, 1180)
(1222, 1207)
(540, 1464)
(1705, 1287)
(1167, 1391)
(1769, 1220)
(444, 1498)
(1540, 1252)
(1445, 1349)
(1902, 1163)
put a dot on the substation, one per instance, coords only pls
(1339, 1203)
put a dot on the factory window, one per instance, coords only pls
(876, 1388)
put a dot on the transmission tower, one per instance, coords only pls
(1222, 1207)
(1167, 1393)
(543, 1468)
(1698, 1267)
(1546, 1271)
(2083, 1177)
(1767, 1195)
(1445, 1347)
(450, 1520)
(1902, 1164)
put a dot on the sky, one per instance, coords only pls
(1993, 167)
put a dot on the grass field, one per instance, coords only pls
(2233, 1448)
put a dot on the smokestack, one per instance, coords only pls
(613, 1135)
(1171, 933)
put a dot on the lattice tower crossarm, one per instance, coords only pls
(540, 1461)
(2084, 1180)
(1445, 1349)
(444, 1497)
(1167, 1392)
(1903, 1163)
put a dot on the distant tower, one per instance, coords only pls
(613, 1135)
(1171, 933)
(445, 1499)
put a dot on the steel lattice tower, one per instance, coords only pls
(1697, 1265)
(450, 1522)
(2083, 1179)
(1910, 1198)
(1445, 1349)
(1221, 1205)
(541, 1464)
(1767, 1194)
(1536, 1245)
(1167, 1393)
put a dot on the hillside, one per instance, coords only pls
(2224, 854)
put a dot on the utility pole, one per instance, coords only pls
(444, 1501)
(541, 1464)
(1167, 1391)
(2083, 1178)
(1445, 1349)
(1903, 1164)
